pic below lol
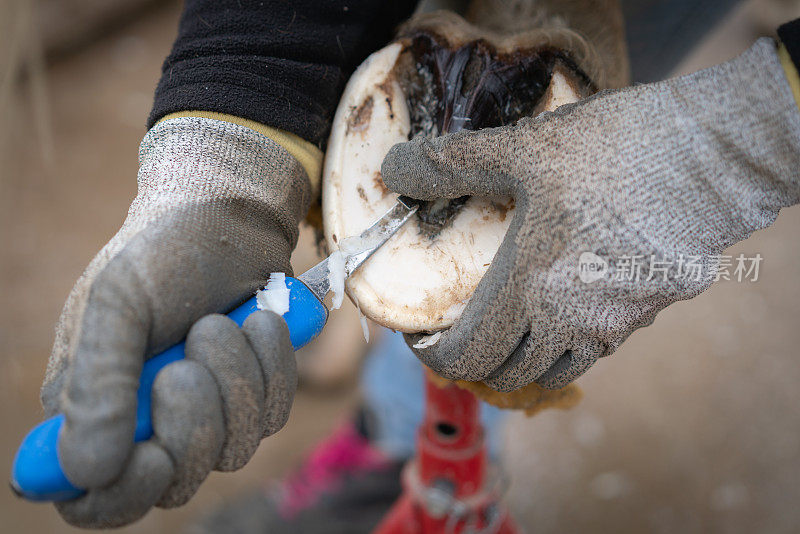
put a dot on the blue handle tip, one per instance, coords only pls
(36, 474)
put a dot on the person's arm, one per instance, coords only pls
(789, 53)
(226, 174)
(624, 204)
(282, 64)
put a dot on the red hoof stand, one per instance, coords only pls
(449, 487)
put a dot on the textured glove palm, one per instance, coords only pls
(681, 168)
(217, 211)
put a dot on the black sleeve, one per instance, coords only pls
(279, 62)
(789, 35)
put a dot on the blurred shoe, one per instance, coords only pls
(344, 486)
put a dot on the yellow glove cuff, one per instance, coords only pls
(791, 72)
(308, 155)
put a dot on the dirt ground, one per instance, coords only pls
(692, 426)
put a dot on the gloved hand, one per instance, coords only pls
(687, 166)
(217, 210)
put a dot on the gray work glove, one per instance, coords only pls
(217, 210)
(687, 166)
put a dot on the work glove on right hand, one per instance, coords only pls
(678, 169)
(217, 210)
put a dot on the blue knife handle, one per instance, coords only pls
(36, 473)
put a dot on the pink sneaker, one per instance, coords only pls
(345, 485)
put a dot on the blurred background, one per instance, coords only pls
(693, 425)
